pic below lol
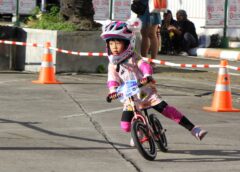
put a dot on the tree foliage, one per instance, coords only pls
(50, 20)
(71, 15)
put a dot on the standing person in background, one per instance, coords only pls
(150, 41)
(187, 36)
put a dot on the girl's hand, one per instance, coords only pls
(111, 96)
(146, 80)
(143, 81)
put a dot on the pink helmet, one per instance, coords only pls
(119, 30)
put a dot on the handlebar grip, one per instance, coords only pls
(149, 79)
(140, 85)
(108, 99)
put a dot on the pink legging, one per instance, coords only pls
(169, 112)
(172, 113)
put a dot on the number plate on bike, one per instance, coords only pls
(128, 89)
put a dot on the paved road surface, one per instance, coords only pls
(70, 127)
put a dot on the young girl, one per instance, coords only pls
(124, 65)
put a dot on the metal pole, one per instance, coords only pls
(225, 39)
(17, 22)
(43, 5)
(111, 9)
(225, 18)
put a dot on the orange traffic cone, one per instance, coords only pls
(222, 99)
(47, 72)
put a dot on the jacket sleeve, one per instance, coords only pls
(113, 78)
(145, 68)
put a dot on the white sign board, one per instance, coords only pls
(234, 13)
(121, 10)
(215, 13)
(9, 6)
(102, 9)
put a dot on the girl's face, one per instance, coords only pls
(116, 46)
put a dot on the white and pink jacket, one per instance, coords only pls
(134, 69)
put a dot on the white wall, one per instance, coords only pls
(196, 10)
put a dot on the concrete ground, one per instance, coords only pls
(70, 126)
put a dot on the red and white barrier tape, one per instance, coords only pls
(101, 54)
(162, 62)
(21, 43)
(233, 68)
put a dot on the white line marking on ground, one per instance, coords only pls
(94, 112)
(236, 74)
(3, 82)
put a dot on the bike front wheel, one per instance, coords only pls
(143, 140)
(159, 133)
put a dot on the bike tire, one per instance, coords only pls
(143, 142)
(160, 136)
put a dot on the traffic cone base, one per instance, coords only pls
(221, 110)
(46, 76)
(46, 82)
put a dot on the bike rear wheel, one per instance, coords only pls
(143, 140)
(159, 133)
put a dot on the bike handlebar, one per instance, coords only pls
(108, 99)
(149, 79)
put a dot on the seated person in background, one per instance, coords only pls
(186, 33)
(167, 36)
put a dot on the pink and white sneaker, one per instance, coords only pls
(198, 133)
(132, 142)
(140, 135)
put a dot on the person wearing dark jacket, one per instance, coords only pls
(186, 32)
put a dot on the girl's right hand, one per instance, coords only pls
(146, 80)
(111, 96)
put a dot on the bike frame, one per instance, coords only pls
(138, 115)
